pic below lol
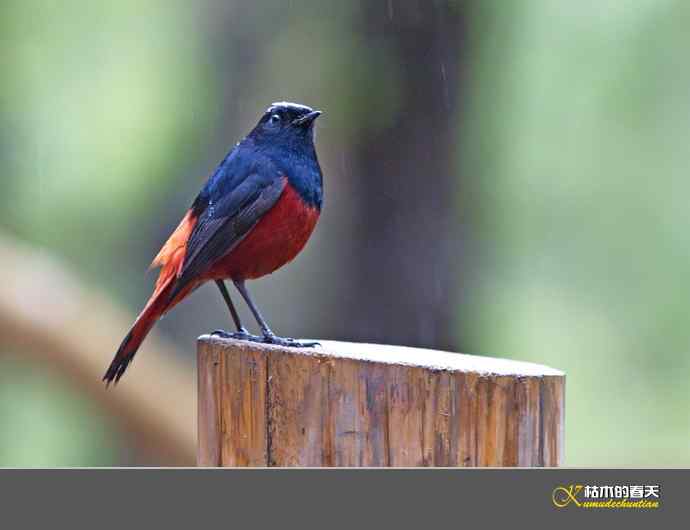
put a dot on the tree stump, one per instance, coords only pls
(350, 404)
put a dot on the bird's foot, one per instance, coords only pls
(242, 334)
(270, 338)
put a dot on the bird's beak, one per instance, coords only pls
(307, 118)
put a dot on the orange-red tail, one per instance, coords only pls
(156, 306)
(170, 259)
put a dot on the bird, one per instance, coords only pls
(254, 214)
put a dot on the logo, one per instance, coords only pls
(619, 496)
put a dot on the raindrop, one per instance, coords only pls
(444, 80)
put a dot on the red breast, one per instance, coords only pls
(275, 240)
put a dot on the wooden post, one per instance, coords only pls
(349, 404)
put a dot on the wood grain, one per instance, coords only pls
(353, 405)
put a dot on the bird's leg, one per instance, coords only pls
(241, 332)
(268, 336)
(228, 301)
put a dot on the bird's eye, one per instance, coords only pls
(274, 119)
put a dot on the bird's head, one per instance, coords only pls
(286, 123)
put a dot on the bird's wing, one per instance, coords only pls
(225, 222)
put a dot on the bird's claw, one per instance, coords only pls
(242, 334)
(289, 342)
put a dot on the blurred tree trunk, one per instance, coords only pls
(405, 269)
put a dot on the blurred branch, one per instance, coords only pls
(50, 316)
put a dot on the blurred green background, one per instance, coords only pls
(501, 178)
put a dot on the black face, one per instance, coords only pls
(286, 118)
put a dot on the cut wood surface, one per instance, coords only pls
(350, 404)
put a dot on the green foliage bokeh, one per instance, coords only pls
(571, 148)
